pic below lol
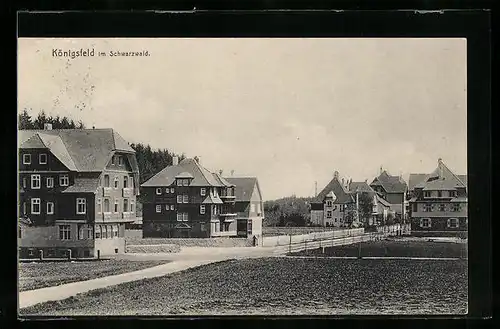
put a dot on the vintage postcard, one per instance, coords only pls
(242, 176)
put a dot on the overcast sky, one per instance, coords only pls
(289, 111)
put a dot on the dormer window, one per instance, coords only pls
(185, 182)
(26, 159)
(427, 194)
(42, 158)
(120, 160)
(203, 191)
(179, 182)
(453, 194)
(440, 194)
(113, 160)
(329, 203)
(158, 191)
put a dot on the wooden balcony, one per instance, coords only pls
(128, 192)
(228, 217)
(225, 233)
(128, 215)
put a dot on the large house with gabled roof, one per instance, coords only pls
(438, 201)
(249, 206)
(392, 189)
(77, 189)
(187, 200)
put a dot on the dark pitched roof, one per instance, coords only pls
(201, 175)
(441, 178)
(244, 187)
(342, 194)
(415, 179)
(83, 185)
(360, 187)
(83, 150)
(391, 184)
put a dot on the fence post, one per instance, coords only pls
(98, 254)
(41, 254)
(290, 244)
(69, 254)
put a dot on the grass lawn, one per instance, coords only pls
(393, 248)
(46, 274)
(281, 286)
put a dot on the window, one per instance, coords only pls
(115, 231)
(104, 231)
(24, 208)
(172, 207)
(19, 234)
(185, 182)
(109, 231)
(35, 181)
(42, 158)
(50, 182)
(425, 222)
(125, 181)
(329, 214)
(203, 191)
(81, 206)
(415, 207)
(427, 194)
(64, 232)
(453, 194)
(167, 190)
(453, 223)
(99, 206)
(158, 191)
(456, 207)
(131, 182)
(185, 217)
(125, 205)
(258, 208)
(202, 209)
(85, 232)
(252, 207)
(116, 206)
(179, 182)
(172, 190)
(98, 232)
(179, 217)
(328, 203)
(427, 207)
(132, 208)
(158, 208)
(185, 199)
(120, 160)
(442, 207)
(106, 206)
(50, 208)
(113, 160)
(35, 206)
(24, 182)
(179, 199)
(26, 159)
(106, 180)
(167, 207)
(116, 182)
(64, 180)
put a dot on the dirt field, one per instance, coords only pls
(393, 248)
(47, 274)
(281, 286)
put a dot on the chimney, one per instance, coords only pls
(47, 126)
(232, 172)
(381, 170)
(93, 127)
(440, 168)
(197, 159)
(336, 174)
(220, 172)
(175, 161)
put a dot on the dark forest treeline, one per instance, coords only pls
(150, 161)
(288, 211)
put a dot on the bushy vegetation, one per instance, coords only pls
(288, 211)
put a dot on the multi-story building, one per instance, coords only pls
(380, 207)
(187, 200)
(438, 201)
(77, 189)
(392, 189)
(330, 206)
(249, 206)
